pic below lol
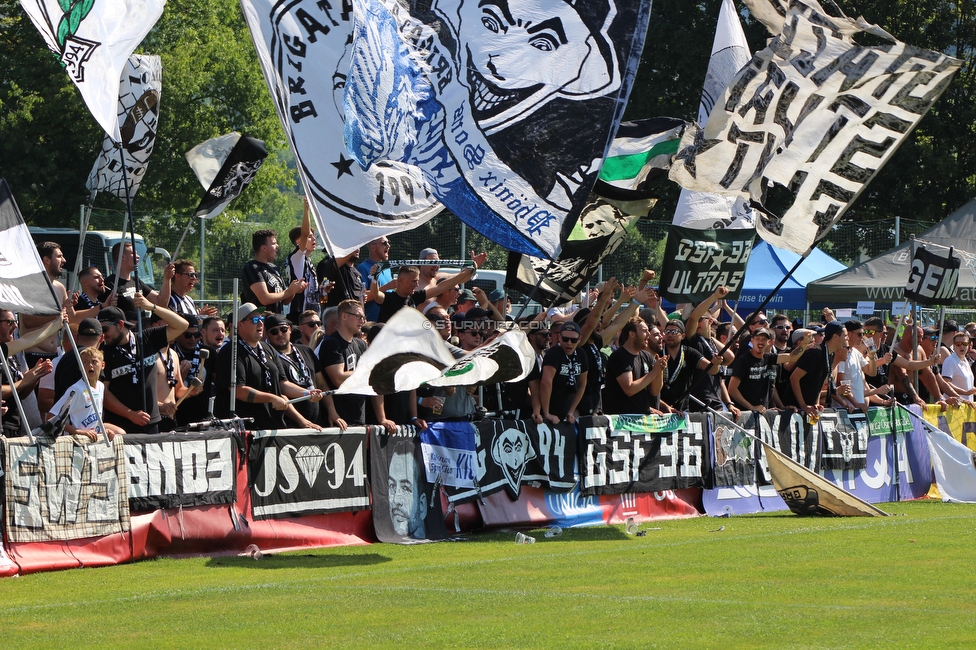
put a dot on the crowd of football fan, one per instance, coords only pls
(613, 351)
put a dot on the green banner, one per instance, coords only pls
(879, 419)
(696, 262)
(648, 423)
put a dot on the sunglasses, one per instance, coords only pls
(567, 339)
(870, 332)
(312, 323)
(478, 333)
(9, 321)
(762, 321)
(255, 319)
(962, 344)
(279, 330)
(192, 276)
(672, 331)
(933, 337)
(782, 327)
(192, 335)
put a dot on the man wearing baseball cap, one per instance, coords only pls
(130, 395)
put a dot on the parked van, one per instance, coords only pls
(97, 251)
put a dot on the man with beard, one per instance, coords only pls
(184, 280)
(122, 292)
(684, 366)
(263, 285)
(408, 503)
(53, 260)
(262, 388)
(189, 349)
(698, 336)
(902, 365)
(634, 377)
(24, 381)
(301, 368)
(130, 389)
(86, 303)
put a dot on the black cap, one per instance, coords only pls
(112, 315)
(89, 327)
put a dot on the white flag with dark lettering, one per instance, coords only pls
(139, 89)
(810, 121)
(24, 287)
(93, 41)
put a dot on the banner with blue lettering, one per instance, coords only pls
(506, 109)
(299, 472)
(449, 454)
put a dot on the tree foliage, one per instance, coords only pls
(212, 84)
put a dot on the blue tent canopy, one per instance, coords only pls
(768, 265)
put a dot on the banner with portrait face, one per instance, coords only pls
(406, 506)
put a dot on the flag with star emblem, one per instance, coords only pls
(696, 262)
(304, 47)
(506, 109)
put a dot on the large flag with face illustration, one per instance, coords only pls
(810, 120)
(139, 90)
(304, 47)
(24, 287)
(506, 109)
(93, 40)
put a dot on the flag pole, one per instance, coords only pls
(233, 351)
(140, 366)
(17, 402)
(186, 231)
(86, 211)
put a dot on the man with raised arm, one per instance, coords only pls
(407, 293)
(263, 285)
(127, 390)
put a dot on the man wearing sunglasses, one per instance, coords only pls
(563, 382)
(378, 252)
(184, 281)
(683, 368)
(125, 393)
(902, 365)
(262, 387)
(698, 336)
(339, 355)
(189, 345)
(300, 366)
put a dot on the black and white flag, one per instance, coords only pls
(139, 91)
(24, 286)
(63, 488)
(298, 472)
(93, 41)
(813, 117)
(235, 166)
(172, 470)
(933, 278)
(406, 506)
(696, 262)
(602, 227)
(514, 453)
(845, 440)
(734, 460)
(623, 454)
(305, 49)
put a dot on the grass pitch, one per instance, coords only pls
(766, 581)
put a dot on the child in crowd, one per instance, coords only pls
(82, 418)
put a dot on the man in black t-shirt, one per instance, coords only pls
(263, 285)
(754, 374)
(262, 387)
(129, 391)
(347, 282)
(684, 366)
(125, 290)
(300, 366)
(812, 370)
(338, 357)
(563, 382)
(634, 377)
(407, 293)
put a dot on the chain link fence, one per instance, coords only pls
(226, 246)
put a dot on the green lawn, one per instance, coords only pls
(775, 581)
